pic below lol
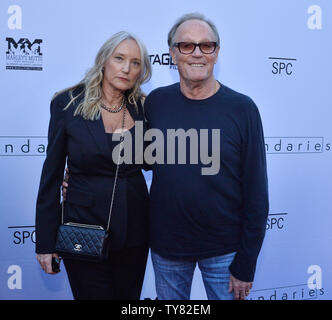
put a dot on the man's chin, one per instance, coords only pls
(197, 79)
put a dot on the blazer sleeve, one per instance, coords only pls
(48, 208)
(141, 105)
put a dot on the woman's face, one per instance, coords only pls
(123, 67)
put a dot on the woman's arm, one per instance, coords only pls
(48, 208)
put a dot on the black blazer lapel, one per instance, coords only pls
(97, 130)
(133, 112)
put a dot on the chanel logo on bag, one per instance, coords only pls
(77, 247)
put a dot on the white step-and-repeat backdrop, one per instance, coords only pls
(277, 52)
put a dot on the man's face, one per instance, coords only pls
(197, 66)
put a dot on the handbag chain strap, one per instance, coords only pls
(117, 167)
(116, 173)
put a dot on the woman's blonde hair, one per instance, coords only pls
(89, 108)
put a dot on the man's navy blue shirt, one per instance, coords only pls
(198, 216)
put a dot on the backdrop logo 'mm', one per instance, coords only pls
(24, 54)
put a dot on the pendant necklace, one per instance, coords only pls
(113, 109)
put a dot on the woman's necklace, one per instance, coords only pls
(113, 109)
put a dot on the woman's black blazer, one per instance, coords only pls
(85, 146)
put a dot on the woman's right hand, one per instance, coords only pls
(45, 261)
(65, 184)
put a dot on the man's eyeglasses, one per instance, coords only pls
(189, 47)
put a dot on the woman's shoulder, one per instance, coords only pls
(136, 107)
(68, 93)
(64, 97)
(140, 101)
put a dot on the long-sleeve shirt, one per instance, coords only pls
(195, 215)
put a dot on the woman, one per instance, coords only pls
(84, 120)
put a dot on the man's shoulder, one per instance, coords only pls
(238, 99)
(165, 90)
(236, 95)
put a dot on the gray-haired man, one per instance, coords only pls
(217, 221)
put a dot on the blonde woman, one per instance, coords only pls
(84, 120)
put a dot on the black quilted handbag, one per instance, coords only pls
(83, 241)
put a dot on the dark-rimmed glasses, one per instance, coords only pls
(189, 47)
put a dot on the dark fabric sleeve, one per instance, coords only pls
(145, 106)
(48, 208)
(255, 198)
(146, 109)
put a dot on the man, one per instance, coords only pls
(217, 220)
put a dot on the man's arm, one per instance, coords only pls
(255, 200)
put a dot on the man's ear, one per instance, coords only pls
(217, 54)
(172, 53)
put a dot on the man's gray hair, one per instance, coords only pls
(191, 16)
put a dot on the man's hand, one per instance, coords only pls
(65, 184)
(241, 289)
